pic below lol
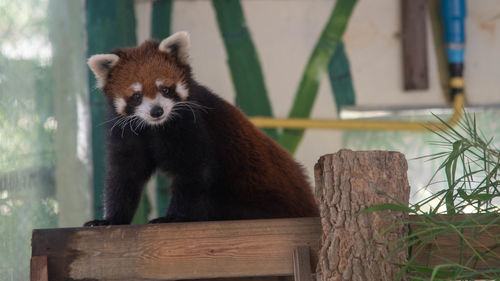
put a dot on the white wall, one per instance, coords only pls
(285, 31)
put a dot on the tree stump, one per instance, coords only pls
(348, 182)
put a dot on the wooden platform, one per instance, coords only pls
(175, 250)
(192, 250)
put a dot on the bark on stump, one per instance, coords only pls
(348, 182)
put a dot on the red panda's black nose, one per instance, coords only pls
(156, 112)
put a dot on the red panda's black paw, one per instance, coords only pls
(96, 223)
(160, 220)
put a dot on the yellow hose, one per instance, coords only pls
(296, 123)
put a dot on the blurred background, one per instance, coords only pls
(374, 55)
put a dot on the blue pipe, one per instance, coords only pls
(453, 13)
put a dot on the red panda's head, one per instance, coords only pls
(145, 81)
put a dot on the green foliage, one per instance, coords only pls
(470, 164)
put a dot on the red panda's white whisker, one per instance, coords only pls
(173, 114)
(126, 120)
(112, 119)
(118, 122)
(186, 105)
(130, 125)
(195, 105)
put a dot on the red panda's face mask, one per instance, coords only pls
(148, 81)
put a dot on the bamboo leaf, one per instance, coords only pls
(471, 169)
(463, 194)
(483, 197)
(386, 206)
(438, 272)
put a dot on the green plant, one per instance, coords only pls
(470, 164)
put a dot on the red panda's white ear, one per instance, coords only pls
(177, 44)
(101, 65)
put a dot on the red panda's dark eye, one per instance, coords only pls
(135, 99)
(165, 90)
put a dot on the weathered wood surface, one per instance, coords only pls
(414, 42)
(205, 249)
(302, 264)
(38, 269)
(483, 235)
(176, 250)
(348, 182)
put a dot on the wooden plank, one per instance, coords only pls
(210, 249)
(483, 235)
(176, 250)
(39, 268)
(414, 35)
(302, 264)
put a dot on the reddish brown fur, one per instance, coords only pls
(143, 64)
(262, 170)
(222, 166)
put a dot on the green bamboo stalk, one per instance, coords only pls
(309, 84)
(339, 73)
(243, 61)
(160, 28)
(109, 24)
(161, 19)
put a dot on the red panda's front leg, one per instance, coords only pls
(128, 169)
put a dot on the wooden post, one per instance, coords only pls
(302, 264)
(39, 270)
(348, 182)
(414, 38)
(225, 249)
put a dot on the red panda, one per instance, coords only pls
(221, 166)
